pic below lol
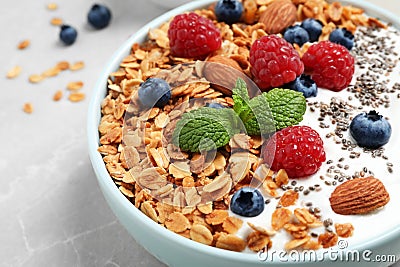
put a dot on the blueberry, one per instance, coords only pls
(215, 105)
(248, 202)
(313, 27)
(154, 92)
(99, 16)
(342, 36)
(370, 130)
(68, 34)
(228, 11)
(304, 84)
(296, 34)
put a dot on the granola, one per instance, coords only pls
(24, 44)
(14, 72)
(28, 108)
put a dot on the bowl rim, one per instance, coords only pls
(103, 177)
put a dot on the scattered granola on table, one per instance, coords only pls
(23, 44)
(52, 71)
(187, 139)
(14, 72)
(28, 107)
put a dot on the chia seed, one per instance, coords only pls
(315, 235)
(328, 222)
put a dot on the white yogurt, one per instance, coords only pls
(366, 227)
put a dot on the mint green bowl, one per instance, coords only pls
(173, 249)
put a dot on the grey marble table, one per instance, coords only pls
(52, 211)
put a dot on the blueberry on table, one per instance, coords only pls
(215, 105)
(305, 85)
(68, 34)
(154, 92)
(228, 11)
(296, 35)
(99, 16)
(370, 130)
(247, 202)
(313, 27)
(343, 37)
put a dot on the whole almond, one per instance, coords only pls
(226, 61)
(278, 16)
(359, 196)
(222, 75)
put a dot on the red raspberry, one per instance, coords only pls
(297, 149)
(274, 62)
(191, 35)
(331, 65)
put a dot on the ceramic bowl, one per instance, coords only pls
(173, 249)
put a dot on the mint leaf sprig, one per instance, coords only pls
(254, 113)
(287, 106)
(207, 128)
